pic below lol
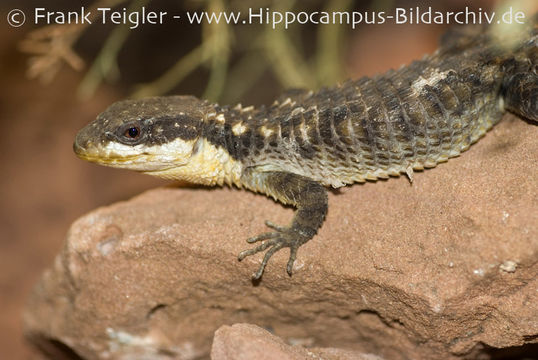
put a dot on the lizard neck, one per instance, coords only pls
(227, 142)
(224, 144)
(233, 132)
(209, 165)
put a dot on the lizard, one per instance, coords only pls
(375, 127)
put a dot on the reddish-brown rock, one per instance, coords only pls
(247, 341)
(437, 270)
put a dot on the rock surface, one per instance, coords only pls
(247, 341)
(441, 269)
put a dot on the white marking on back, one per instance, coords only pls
(432, 79)
(287, 102)
(239, 128)
(266, 132)
(297, 110)
(220, 118)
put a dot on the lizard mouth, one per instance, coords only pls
(143, 161)
(102, 157)
(109, 160)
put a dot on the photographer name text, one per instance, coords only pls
(276, 19)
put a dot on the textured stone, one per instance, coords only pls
(439, 269)
(247, 341)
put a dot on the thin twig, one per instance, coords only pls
(176, 73)
(220, 52)
(328, 55)
(288, 64)
(52, 45)
(105, 66)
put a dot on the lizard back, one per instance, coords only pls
(411, 118)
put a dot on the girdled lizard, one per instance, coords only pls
(406, 119)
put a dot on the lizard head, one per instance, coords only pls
(148, 135)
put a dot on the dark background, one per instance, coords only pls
(44, 187)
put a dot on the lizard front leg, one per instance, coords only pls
(310, 199)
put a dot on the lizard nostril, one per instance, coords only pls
(109, 135)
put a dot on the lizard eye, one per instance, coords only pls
(132, 132)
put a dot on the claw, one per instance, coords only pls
(264, 236)
(274, 241)
(255, 250)
(274, 226)
(268, 254)
(258, 274)
(291, 260)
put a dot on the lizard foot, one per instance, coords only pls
(275, 240)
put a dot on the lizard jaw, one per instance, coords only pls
(139, 157)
